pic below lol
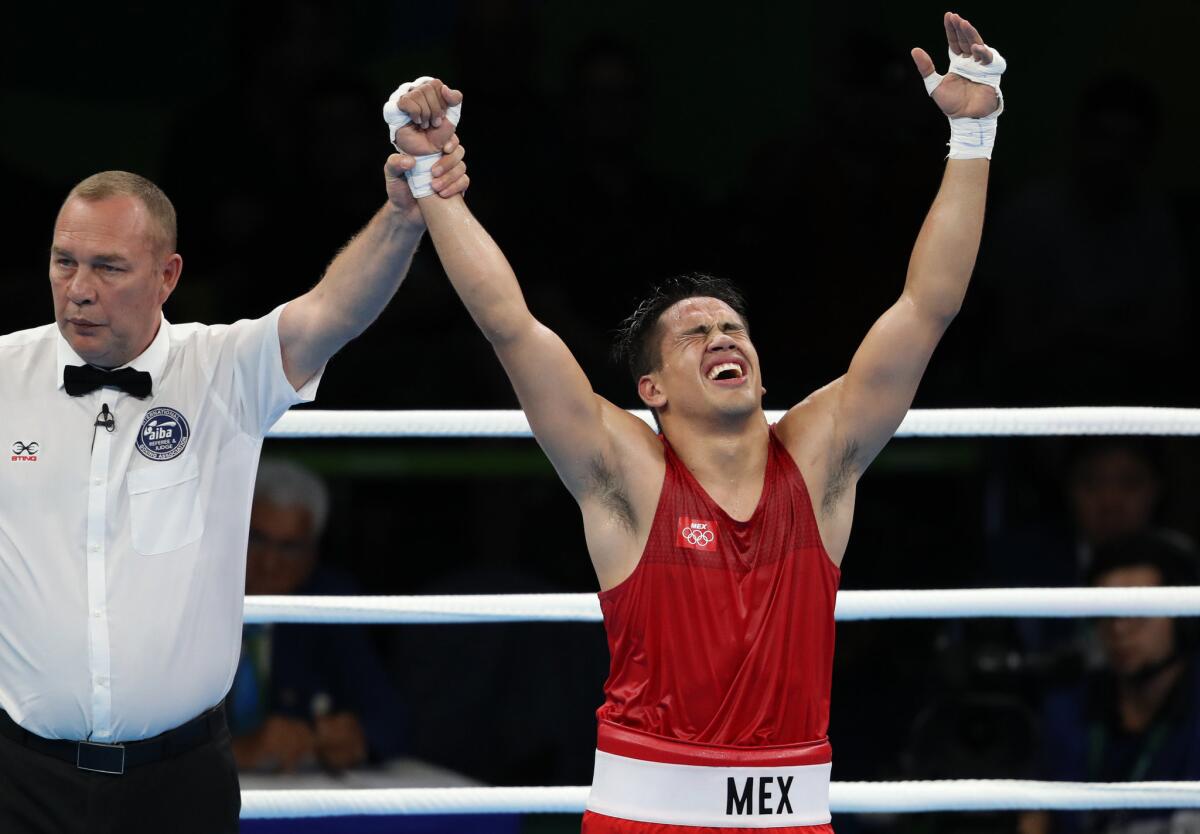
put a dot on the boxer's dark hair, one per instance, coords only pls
(639, 338)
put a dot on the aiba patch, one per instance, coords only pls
(164, 434)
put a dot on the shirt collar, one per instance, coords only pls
(152, 360)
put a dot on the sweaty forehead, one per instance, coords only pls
(113, 225)
(691, 312)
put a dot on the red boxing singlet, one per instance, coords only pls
(722, 637)
(724, 632)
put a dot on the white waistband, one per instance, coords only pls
(730, 797)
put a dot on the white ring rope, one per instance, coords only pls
(851, 605)
(936, 422)
(844, 797)
(860, 797)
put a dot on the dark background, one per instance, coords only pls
(789, 146)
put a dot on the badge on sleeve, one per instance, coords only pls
(164, 434)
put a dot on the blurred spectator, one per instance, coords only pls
(1115, 487)
(1088, 267)
(1136, 719)
(1111, 487)
(969, 736)
(304, 693)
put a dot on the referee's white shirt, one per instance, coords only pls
(123, 555)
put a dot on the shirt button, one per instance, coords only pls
(97, 481)
(101, 680)
(95, 548)
(97, 613)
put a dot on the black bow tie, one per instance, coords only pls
(84, 379)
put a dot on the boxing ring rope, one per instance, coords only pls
(845, 797)
(933, 422)
(851, 605)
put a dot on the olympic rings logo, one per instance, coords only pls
(20, 448)
(697, 538)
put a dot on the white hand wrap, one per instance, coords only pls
(973, 138)
(421, 175)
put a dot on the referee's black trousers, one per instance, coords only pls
(196, 792)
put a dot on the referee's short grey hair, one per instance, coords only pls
(285, 483)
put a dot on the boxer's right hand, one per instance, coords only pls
(429, 130)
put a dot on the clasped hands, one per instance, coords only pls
(428, 132)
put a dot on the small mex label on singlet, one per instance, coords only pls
(697, 534)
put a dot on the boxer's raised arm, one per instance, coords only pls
(353, 292)
(868, 403)
(876, 392)
(579, 430)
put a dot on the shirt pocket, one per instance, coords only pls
(164, 506)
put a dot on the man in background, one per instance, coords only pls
(1135, 719)
(304, 693)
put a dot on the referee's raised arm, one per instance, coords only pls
(366, 274)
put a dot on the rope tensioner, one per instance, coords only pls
(937, 422)
(844, 797)
(851, 605)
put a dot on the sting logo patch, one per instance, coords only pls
(22, 451)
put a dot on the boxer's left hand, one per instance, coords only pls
(449, 175)
(957, 96)
(426, 104)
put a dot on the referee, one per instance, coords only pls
(131, 448)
